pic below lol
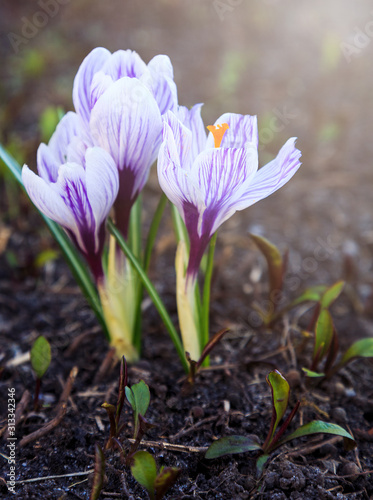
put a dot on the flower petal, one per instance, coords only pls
(46, 199)
(163, 85)
(126, 122)
(102, 182)
(193, 121)
(182, 137)
(243, 129)
(223, 174)
(50, 157)
(272, 176)
(124, 63)
(100, 83)
(93, 63)
(178, 183)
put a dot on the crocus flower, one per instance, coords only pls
(120, 100)
(210, 178)
(76, 195)
(101, 68)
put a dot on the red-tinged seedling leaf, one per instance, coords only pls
(312, 294)
(229, 445)
(40, 356)
(211, 344)
(313, 374)
(332, 354)
(280, 398)
(320, 427)
(144, 470)
(275, 262)
(324, 332)
(121, 389)
(361, 349)
(331, 294)
(99, 473)
(165, 480)
(110, 409)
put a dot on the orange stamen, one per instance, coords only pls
(218, 132)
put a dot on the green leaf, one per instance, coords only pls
(323, 335)
(361, 349)
(274, 260)
(165, 479)
(331, 294)
(99, 473)
(78, 268)
(313, 374)
(232, 444)
(40, 356)
(320, 427)
(139, 397)
(152, 293)
(312, 294)
(280, 396)
(260, 463)
(144, 470)
(45, 257)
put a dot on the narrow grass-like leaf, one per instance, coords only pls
(40, 356)
(275, 262)
(99, 473)
(320, 427)
(165, 479)
(152, 293)
(78, 269)
(229, 445)
(331, 294)
(153, 230)
(144, 470)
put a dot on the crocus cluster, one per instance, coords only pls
(126, 114)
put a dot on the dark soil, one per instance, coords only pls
(264, 57)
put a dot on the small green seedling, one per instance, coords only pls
(144, 470)
(280, 397)
(114, 412)
(326, 348)
(277, 265)
(138, 396)
(40, 356)
(194, 366)
(99, 473)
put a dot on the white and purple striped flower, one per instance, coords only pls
(120, 100)
(76, 195)
(210, 178)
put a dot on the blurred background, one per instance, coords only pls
(305, 68)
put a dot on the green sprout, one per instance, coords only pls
(275, 438)
(156, 483)
(40, 357)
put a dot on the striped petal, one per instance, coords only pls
(124, 63)
(177, 182)
(243, 130)
(93, 63)
(272, 176)
(163, 85)
(191, 118)
(126, 122)
(223, 175)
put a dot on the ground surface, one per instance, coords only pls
(305, 69)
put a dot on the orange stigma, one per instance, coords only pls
(218, 132)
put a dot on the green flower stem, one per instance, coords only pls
(78, 269)
(205, 333)
(180, 229)
(152, 293)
